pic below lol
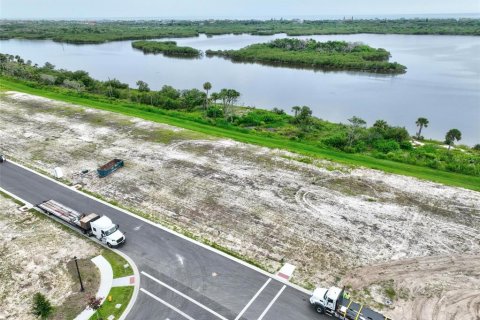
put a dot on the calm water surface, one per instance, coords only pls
(442, 82)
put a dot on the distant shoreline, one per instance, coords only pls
(408, 16)
(91, 31)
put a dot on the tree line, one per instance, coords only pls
(102, 31)
(219, 108)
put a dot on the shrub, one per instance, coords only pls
(214, 112)
(360, 146)
(41, 306)
(338, 141)
(386, 146)
(278, 111)
(398, 134)
(406, 145)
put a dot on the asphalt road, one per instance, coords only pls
(179, 279)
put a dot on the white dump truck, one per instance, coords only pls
(92, 224)
(336, 302)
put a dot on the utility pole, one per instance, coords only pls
(79, 276)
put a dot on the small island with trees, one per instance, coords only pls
(167, 48)
(330, 55)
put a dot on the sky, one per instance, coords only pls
(259, 9)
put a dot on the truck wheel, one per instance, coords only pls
(109, 245)
(320, 309)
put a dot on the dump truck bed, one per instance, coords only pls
(109, 167)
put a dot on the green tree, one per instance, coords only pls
(476, 147)
(355, 127)
(305, 115)
(48, 66)
(421, 123)
(296, 110)
(142, 86)
(228, 97)
(41, 306)
(206, 86)
(214, 97)
(452, 136)
(381, 125)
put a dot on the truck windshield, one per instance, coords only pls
(111, 230)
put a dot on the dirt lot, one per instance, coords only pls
(324, 218)
(34, 254)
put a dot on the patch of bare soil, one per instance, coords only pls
(322, 217)
(427, 288)
(34, 254)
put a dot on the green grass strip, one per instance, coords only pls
(117, 262)
(162, 116)
(120, 295)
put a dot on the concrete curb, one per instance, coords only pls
(106, 278)
(136, 287)
(136, 273)
(246, 264)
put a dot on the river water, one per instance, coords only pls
(442, 82)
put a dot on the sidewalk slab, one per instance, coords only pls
(125, 281)
(106, 279)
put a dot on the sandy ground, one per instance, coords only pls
(34, 253)
(324, 218)
(438, 287)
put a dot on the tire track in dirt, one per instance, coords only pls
(445, 287)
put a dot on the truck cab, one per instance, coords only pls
(107, 232)
(326, 300)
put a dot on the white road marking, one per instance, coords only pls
(184, 295)
(253, 299)
(137, 228)
(180, 259)
(161, 227)
(271, 303)
(166, 304)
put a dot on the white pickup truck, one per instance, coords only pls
(92, 224)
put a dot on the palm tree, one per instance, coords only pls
(421, 123)
(296, 109)
(207, 86)
(381, 125)
(451, 136)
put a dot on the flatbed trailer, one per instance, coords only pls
(91, 224)
(337, 303)
(68, 215)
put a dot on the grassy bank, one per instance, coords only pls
(243, 135)
(330, 55)
(102, 31)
